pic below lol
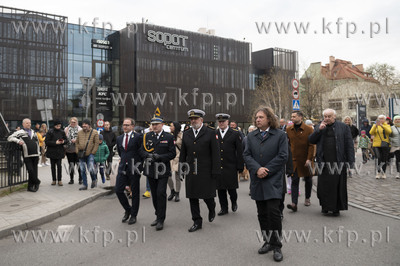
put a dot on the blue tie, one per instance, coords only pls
(263, 133)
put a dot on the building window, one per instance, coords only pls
(335, 104)
(352, 103)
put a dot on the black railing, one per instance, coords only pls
(12, 170)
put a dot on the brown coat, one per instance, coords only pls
(302, 149)
(82, 138)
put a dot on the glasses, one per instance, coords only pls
(126, 125)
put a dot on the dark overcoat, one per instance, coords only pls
(55, 151)
(231, 159)
(163, 146)
(202, 154)
(270, 152)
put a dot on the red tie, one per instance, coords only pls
(126, 142)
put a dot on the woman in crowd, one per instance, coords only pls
(71, 131)
(176, 131)
(55, 140)
(381, 132)
(353, 129)
(41, 137)
(395, 143)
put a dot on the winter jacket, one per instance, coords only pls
(102, 153)
(55, 151)
(31, 144)
(364, 142)
(382, 133)
(395, 137)
(82, 139)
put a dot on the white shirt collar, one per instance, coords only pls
(198, 130)
(223, 133)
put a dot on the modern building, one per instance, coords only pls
(136, 70)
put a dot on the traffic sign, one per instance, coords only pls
(295, 83)
(99, 129)
(296, 105)
(295, 94)
(100, 123)
(100, 116)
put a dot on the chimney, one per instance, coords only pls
(331, 62)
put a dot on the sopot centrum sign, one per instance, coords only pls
(170, 41)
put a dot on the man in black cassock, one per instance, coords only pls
(335, 151)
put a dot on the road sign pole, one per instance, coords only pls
(47, 117)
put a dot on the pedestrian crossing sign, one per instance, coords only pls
(296, 105)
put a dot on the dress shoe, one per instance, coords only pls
(154, 223)
(222, 212)
(32, 189)
(265, 248)
(126, 217)
(211, 215)
(278, 254)
(160, 226)
(195, 227)
(83, 188)
(292, 207)
(177, 199)
(234, 207)
(336, 213)
(324, 212)
(172, 195)
(71, 182)
(132, 220)
(307, 202)
(36, 186)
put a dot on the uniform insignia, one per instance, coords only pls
(164, 141)
(216, 136)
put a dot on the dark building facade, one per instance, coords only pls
(33, 51)
(177, 70)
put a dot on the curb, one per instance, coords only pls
(49, 217)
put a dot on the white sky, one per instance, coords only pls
(237, 19)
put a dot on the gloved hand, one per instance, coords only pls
(156, 157)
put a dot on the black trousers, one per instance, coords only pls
(158, 189)
(397, 155)
(382, 156)
(195, 209)
(109, 161)
(31, 166)
(134, 182)
(269, 217)
(56, 163)
(295, 187)
(73, 161)
(223, 199)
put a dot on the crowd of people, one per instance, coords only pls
(208, 160)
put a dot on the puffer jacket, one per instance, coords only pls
(102, 153)
(380, 133)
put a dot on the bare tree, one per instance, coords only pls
(384, 73)
(274, 91)
(313, 86)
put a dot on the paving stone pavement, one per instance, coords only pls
(379, 195)
(21, 210)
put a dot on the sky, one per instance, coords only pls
(363, 32)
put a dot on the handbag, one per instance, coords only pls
(384, 144)
(81, 153)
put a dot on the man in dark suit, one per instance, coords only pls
(230, 142)
(265, 156)
(200, 150)
(159, 149)
(130, 166)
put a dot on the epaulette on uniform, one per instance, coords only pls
(235, 129)
(211, 127)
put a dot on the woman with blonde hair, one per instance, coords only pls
(71, 131)
(381, 145)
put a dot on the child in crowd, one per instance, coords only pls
(101, 156)
(364, 143)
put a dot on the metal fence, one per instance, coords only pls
(12, 168)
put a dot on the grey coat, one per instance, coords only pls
(395, 137)
(270, 152)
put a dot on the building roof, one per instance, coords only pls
(338, 69)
